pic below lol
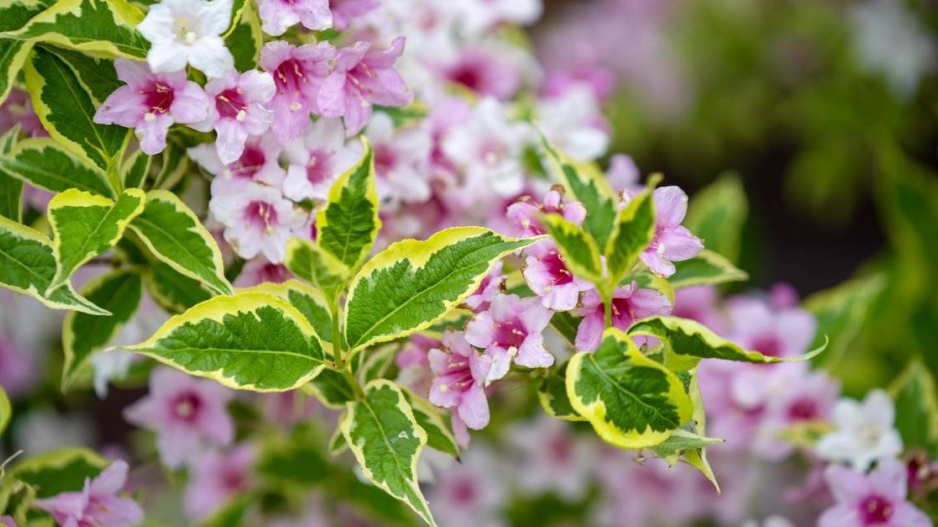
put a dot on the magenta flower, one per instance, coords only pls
(460, 375)
(97, 505)
(217, 478)
(258, 220)
(490, 286)
(7, 521)
(185, 413)
(672, 242)
(512, 329)
(628, 305)
(344, 11)
(547, 275)
(278, 15)
(238, 111)
(151, 102)
(362, 77)
(522, 215)
(877, 499)
(484, 71)
(259, 162)
(755, 325)
(298, 74)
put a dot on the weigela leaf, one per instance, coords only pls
(552, 393)
(412, 284)
(840, 313)
(58, 471)
(916, 397)
(250, 341)
(717, 214)
(707, 268)
(631, 400)
(5, 411)
(307, 300)
(439, 432)
(331, 388)
(11, 188)
(44, 163)
(135, 170)
(13, 55)
(578, 248)
(633, 230)
(384, 436)
(172, 290)
(308, 261)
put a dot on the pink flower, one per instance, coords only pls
(877, 499)
(97, 505)
(777, 333)
(185, 412)
(472, 493)
(484, 71)
(18, 109)
(413, 363)
(699, 303)
(258, 163)
(278, 15)
(512, 328)
(18, 368)
(217, 478)
(238, 111)
(258, 220)
(362, 77)
(298, 74)
(402, 159)
(522, 215)
(316, 159)
(553, 458)
(628, 305)
(547, 275)
(672, 242)
(490, 286)
(460, 375)
(344, 11)
(7, 521)
(151, 102)
(259, 271)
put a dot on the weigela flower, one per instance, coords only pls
(522, 215)
(865, 432)
(756, 325)
(363, 76)
(316, 159)
(877, 499)
(481, 15)
(512, 329)
(672, 241)
(185, 413)
(344, 11)
(460, 376)
(699, 303)
(279, 15)
(258, 220)
(188, 31)
(490, 286)
(402, 158)
(258, 163)
(485, 71)
(413, 363)
(647, 493)
(547, 275)
(217, 478)
(238, 111)
(259, 271)
(151, 102)
(7, 521)
(629, 303)
(553, 458)
(471, 493)
(573, 121)
(97, 504)
(18, 368)
(298, 73)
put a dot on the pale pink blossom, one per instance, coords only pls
(551, 457)
(344, 11)
(237, 111)
(460, 376)
(97, 504)
(217, 478)
(402, 161)
(629, 303)
(877, 499)
(317, 158)
(512, 330)
(279, 15)
(298, 74)
(672, 242)
(523, 214)
(258, 220)
(490, 286)
(260, 270)
(258, 163)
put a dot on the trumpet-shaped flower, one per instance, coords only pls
(512, 329)
(298, 74)
(279, 15)
(522, 215)
(238, 111)
(672, 241)
(865, 432)
(460, 375)
(258, 220)
(151, 102)
(877, 499)
(97, 504)
(185, 413)
(363, 76)
(217, 478)
(258, 163)
(188, 31)
(629, 303)
(490, 286)
(344, 11)
(547, 275)
(316, 159)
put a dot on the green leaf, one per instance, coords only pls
(411, 284)
(14, 14)
(174, 164)
(27, 265)
(84, 335)
(96, 26)
(246, 39)
(136, 169)
(45, 164)
(567, 324)
(588, 186)
(96, 75)
(631, 400)
(310, 262)
(578, 248)
(717, 214)
(307, 300)
(707, 268)
(375, 363)
(633, 231)
(348, 225)
(85, 226)
(917, 408)
(58, 471)
(175, 236)
(331, 388)
(5, 410)
(439, 433)
(66, 109)
(552, 393)
(691, 341)
(250, 341)
(295, 461)
(13, 54)
(384, 436)
(173, 291)
(841, 312)
(11, 188)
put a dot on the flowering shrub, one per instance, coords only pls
(330, 236)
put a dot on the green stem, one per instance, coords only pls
(336, 337)
(354, 383)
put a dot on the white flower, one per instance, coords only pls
(188, 31)
(570, 122)
(771, 521)
(402, 159)
(114, 364)
(864, 432)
